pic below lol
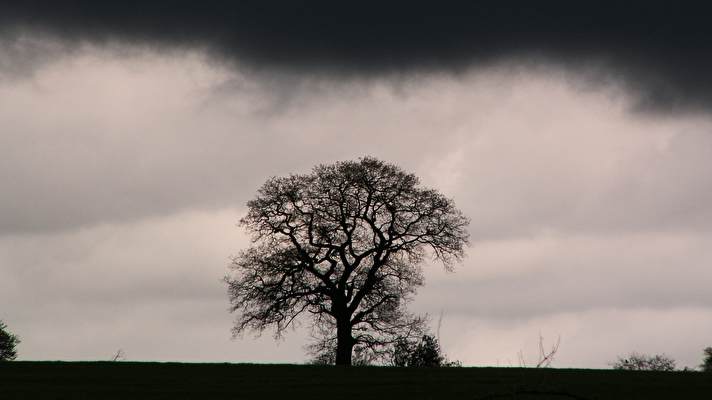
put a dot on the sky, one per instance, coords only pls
(577, 141)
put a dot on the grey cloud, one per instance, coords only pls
(659, 51)
(569, 274)
(122, 139)
(554, 167)
(152, 288)
(129, 137)
(22, 56)
(121, 175)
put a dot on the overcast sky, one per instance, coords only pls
(131, 139)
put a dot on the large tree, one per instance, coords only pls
(344, 245)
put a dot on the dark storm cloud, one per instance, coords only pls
(660, 51)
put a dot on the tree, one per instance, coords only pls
(343, 245)
(424, 353)
(643, 362)
(707, 361)
(8, 344)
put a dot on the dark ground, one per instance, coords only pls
(133, 380)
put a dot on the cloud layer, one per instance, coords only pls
(659, 51)
(123, 173)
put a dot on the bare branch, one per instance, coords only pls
(343, 245)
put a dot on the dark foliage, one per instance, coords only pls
(643, 362)
(707, 361)
(343, 245)
(423, 353)
(8, 344)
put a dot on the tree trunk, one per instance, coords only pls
(344, 343)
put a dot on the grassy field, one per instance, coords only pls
(131, 380)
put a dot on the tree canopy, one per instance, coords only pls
(8, 344)
(707, 360)
(644, 362)
(344, 245)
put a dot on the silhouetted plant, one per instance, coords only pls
(546, 357)
(707, 360)
(402, 349)
(8, 344)
(119, 355)
(343, 245)
(322, 358)
(361, 356)
(643, 362)
(425, 352)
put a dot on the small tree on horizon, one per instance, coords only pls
(343, 245)
(642, 362)
(8, 344)
(707, 360)
(425, 352)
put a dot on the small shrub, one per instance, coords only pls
(8, 344)
(423, 353)
(643, 362)
(707, 361)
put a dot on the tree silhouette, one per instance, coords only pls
(8, 344)
(644, 362)
(707, 360)
(344, 245)
(423, 353)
